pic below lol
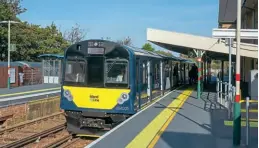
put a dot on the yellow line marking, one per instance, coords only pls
(250, 110)
(250, 101)
(151, 133)
(84, 135)
(27, 92)
(254, 120)
(243, 123)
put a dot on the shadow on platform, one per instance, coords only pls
(218, 134)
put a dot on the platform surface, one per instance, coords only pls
(194, 124)
(28, 88)
(23, 94)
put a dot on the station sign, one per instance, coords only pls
(231, 33)
(95, 48)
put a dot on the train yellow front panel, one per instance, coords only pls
(95, 98)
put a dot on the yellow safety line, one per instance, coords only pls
(250, 101)
(27, 92)
(151, 133)
(250, 110)
(243, 123)
(84, 135)
(253, 120)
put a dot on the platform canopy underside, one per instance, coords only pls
(185, 43)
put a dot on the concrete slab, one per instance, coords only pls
(200, 124)
(127, 132)
(4, 91)
(24, 94)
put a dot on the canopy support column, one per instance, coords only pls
(199, 55)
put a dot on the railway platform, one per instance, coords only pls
(23, 94)
(178, 120)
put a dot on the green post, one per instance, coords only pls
(199, 75)
(237, 123)
(8, 85)
(202, 76)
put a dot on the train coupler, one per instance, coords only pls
(93, 123)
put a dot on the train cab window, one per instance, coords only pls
(75, 71)
(116, 74)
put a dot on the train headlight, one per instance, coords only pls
(68, 95)
(123, 97)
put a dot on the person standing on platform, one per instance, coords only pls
(176, 74)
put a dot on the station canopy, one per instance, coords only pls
(185, 43)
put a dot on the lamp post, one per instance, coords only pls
(9, 40)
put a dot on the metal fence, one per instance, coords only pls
(225, 95)
(247, 118)
(51, 71)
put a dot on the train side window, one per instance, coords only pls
(137, 70)
(144, 73)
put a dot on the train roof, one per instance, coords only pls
(110, 45)
(58, 56)
(142, 52)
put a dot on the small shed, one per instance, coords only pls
(21, 73)
(51, 68)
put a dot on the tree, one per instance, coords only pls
(125, 41)
(148, 47)
(12, 7)
(76, 34)
(164, 53)
(184, 56)
(31, 40)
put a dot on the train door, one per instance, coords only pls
(156, 79)
(144, 82)
(95, 70)
(137, 103)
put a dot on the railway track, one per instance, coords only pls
(30, 131)
(46, 132)
(71, 142)
(22, 125)
(34, 137)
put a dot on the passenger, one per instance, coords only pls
(192, 74)
(190, 77)
(120, 77)
(176, 74)
(195, 73)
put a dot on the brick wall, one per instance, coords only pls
(30, 110)
(18, 111)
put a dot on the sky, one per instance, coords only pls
(118, 19)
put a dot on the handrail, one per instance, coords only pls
(248, 101)
(225, 96)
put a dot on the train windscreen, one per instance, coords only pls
(116, 73)
(96, 72)
(75, 71)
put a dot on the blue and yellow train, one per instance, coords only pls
(104, 83)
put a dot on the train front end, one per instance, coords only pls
(96, 93)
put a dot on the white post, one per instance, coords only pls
(218, 90)
(247, 121)
(9, 40)
(149, 89)
(221, 92)
(229, 68)
(162, 77)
